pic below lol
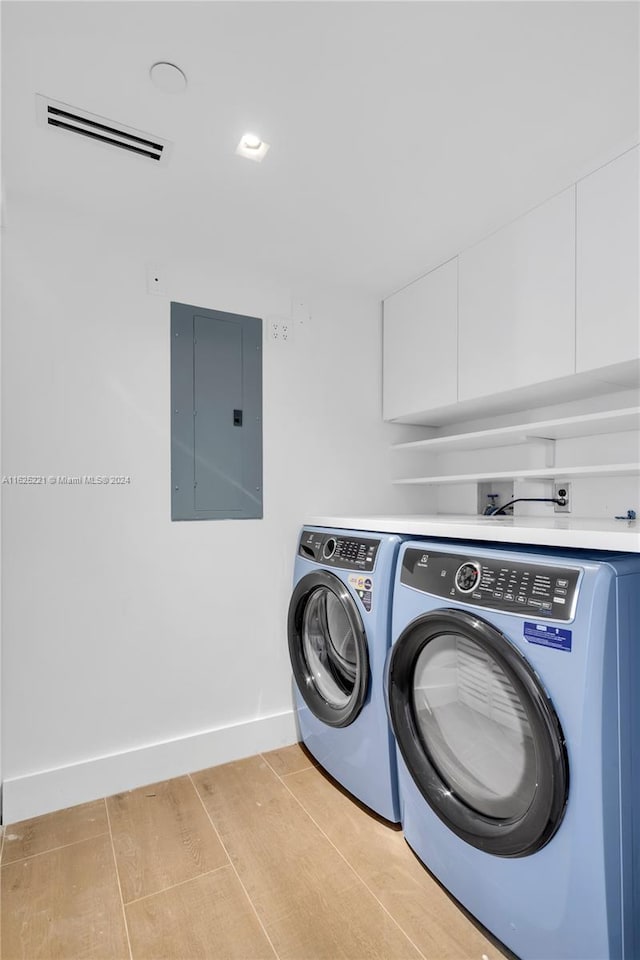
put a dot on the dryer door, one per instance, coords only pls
(328, 648)
(478, 733)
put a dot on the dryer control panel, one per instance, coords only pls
(497, 584)
(336, 550)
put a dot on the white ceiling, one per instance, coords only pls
(400, 132)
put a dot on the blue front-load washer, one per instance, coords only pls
(513, 689)
(339, 637)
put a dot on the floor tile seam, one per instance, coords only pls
(292, 773)
(115, 867)
(350, 865)
(172, 886)
(234, 868)
(62, 846)
(289, 773)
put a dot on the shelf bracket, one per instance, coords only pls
(549, 445)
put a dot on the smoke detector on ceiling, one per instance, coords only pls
(72, 120)
(168, 78)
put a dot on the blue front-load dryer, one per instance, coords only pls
(513, 688)
(339, 637)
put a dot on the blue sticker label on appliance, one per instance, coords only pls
(547, 636)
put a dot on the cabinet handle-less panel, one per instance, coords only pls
(517, 303)
(608, 329)
(420, 344)
(216, 414)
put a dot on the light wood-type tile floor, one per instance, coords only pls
(266, 857)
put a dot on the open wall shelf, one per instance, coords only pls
(545, 473)
(539, 431)
(562, 428)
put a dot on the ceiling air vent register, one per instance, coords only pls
(68, 119)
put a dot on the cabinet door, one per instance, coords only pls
(517, 302)
(607, 265)
(420, 345)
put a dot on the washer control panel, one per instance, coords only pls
(336, 550)
(496, 584)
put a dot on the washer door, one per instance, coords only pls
(328, 648)
(478, 733)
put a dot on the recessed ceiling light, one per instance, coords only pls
(168, 78)
(252, 147)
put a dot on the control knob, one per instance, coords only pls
(468, 576)
(329, 548)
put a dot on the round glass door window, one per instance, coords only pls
(470, 718)
(478, 733)
(328, 648)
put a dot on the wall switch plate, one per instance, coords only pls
(562, 490)
(155, 279)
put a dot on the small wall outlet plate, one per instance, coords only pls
(281, 329)
(562, 491)
(155, 279)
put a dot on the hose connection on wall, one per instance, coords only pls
(559, 501)
(630, 515)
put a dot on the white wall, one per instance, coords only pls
(123, 630)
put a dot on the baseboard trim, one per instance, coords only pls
(47, 790)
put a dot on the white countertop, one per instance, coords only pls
(576, 532)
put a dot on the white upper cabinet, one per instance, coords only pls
(517, 303)
(420, 344)
(608, 329)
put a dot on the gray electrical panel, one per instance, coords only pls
(216, 415)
